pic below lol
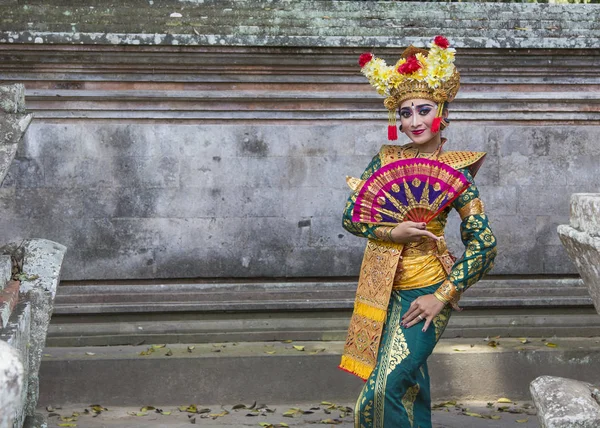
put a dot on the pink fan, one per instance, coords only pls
(408, 189)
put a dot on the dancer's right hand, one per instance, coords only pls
(409, 231)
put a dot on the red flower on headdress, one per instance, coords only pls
(411, 65)
(441, 41)
(364, 59)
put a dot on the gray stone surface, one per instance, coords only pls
(12, 99)
(585, 213)
(584, 250)
(445, 417)
(565, 403)
(12, 381)
(306, 24)
(13, 123)
(17, 334)
(207, 160)
(5, 270)
(191, 311)
(43, 262)
(198, 201)
(244, 372)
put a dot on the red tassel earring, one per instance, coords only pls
(392, 129)
(435, 126)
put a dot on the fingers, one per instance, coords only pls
(427, 322)
(413, 307)
(427, 234)
(420, 225)
(415, 320)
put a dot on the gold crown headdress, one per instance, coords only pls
(419, 73)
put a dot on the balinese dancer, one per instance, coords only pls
(409, 282)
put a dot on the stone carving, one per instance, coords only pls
(565, 403)
(561, 402)
(29, 275)
(11, 379)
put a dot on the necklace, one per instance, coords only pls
(413, 152)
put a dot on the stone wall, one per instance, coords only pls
(216, 144)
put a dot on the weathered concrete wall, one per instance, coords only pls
(215, 155)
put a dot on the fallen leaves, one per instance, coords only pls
(324, 413)
(152, 349)
(70, 421)
(489, 412)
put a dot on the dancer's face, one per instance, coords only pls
(416, 118)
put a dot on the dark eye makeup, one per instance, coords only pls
(422, 109)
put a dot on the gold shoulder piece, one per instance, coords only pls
(392, 153)
(473, 207)
(458, 160)
(388, 154)
(354, 183)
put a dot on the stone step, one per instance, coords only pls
(243, 372)
(255, 296)
(127, 417)
(125, 314)
(107, 330)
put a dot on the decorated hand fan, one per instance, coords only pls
(408, 189)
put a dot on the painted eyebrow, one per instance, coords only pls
(419, 106)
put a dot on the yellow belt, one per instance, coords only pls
(420, 266)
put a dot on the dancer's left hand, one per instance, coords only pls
(428, 307)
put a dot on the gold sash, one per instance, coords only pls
(370, 307)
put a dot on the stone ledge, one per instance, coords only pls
(585, 213)
(501, 41)
(255, 297)
(314, 24)
(110, 330)
(244, 372)
(584, 250)
(564, 403)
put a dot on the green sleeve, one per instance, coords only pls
(363, 230)
(479, 242)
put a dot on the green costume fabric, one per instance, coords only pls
(397, 394)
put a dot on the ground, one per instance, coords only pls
(446, 415)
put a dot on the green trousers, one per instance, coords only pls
(397, 394)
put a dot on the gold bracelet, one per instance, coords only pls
(389, 234)
(383, 233)
(448, 293)
(441, 298)
(473, 207)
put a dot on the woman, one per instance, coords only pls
(409, 282)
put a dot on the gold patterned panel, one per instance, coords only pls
(399, 350)
(387, 354)
(370, 307)
(440, 322)
(408, 401)
(460, 159)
